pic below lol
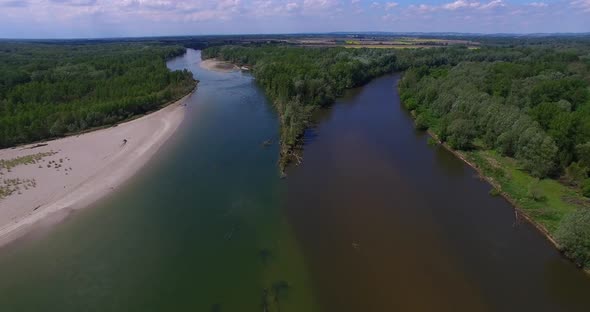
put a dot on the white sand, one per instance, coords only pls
(220, 66)
(99, 162)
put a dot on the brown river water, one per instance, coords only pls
(388, 223)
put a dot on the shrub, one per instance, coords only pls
(586, 188)
(534, 191)
(495, 192)
(573, 235)
(410, 104)
(575, 174)
(423, 121)
(461, 133)
(432, 142)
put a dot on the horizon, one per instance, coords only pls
(386, 33)
(98, 19)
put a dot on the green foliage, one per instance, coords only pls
(529, 103)
(583, 153)
(586, 188)
(49, 90)
(536, 151)
(574, 236)
(575, 174)
(424, 121)
(495, 192)
(535, 192)
(460, 133)
(508, 176)
(432, 142)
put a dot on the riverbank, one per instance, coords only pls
(219, 66)
(39, 180)
(502, 172)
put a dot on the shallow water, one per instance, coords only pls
(374, 220)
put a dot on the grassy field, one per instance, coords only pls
(385, 43)
(545, 201)
(386, 46)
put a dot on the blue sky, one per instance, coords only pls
(120, 18)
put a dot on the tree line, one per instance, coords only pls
(535, 108)
(50, 90)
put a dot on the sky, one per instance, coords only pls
(134, 18)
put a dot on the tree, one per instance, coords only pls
(536, 151)
(461, 132)
(586, 188)
(583, 154)
(48, 90)
(573, 235)
(575, 174)
(535, 192)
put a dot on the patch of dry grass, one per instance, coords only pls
(8, 164)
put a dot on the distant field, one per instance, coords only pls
(386, 46)
(383, 43)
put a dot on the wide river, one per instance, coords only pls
(374, 220)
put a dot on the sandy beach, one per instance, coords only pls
(220, 66)
(38, 180)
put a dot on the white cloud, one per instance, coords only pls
(319, 4)
(228, 4)
(390, 5)
(584, 5)
(75, 2)
(422, 8)
(292, 6)
(538, 4)
(460, 4)
(492, 5)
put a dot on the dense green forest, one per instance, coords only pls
(533, 108)
(49, 90)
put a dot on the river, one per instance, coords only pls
(374, 220)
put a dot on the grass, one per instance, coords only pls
(506, 175)
(9, 186)
(8, 164)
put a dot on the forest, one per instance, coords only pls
(49, 90)
(533, 108)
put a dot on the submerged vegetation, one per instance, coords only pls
(524, 121)
(49, 90)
